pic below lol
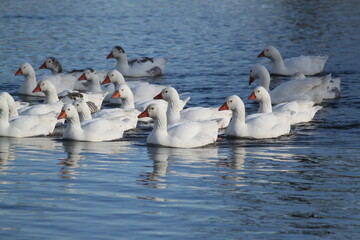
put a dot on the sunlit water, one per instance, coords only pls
(301, 186)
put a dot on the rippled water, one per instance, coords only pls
(301, 186)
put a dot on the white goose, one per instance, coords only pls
(311, 89)
(51, 102)
(308, 65)
(142, 91)
(182, 135)
(332, 89)
(95, 130)
(14, 106)
(175, 114)
(55, 67)
(127, 121)
(301, 111)
(266, 125)
(61, 84)
(142, 67)
(30, 83)
(24, 126)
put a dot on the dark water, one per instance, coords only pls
(302, 186)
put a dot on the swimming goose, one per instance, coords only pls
(265, 125)
(142, 91)
(308, 65)
(128, 119)
(141, 67)
(332, 89)
(175, 114)
(312, 89)
(55, 67)
(95, 130)
(30, 83)
(301, 111)
(183, 135)
(24, 126)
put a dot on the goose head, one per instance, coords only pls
(88, 74)
(168, 94)
(256, 72)
(114, 76)
(68, 111)
(123, 92)
(25, 69)
(259, 94)
(44, 86)
(117, 52)
(270, 52)
(232, 103)
(53, 64)
(81, 106)
(153, 110)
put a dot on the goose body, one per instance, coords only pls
(142, 67)
(24, 126)
(128, 119)
(300, 111)
(265, 125)
(176, 114)
(308, 65)
(311, 89)
(14, 106)
(189, 134)
(95, 130)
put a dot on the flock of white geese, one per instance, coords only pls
(78, 96)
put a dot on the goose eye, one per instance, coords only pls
(68, 109)
(77, 104)
(258, 90)
(112, 75)
(230, 101)
(250, 71)
(122, 90)
(152, 108)
(267, 50)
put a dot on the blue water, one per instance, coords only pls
(301, 186)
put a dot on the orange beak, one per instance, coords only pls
(116, 94)
(262, 54)
(251, 79)
(62, 115)
(143, 114)
(159, 96)
(19, 72)
(224, 107)
(106, 80)
(252, 96)
(110, 55)
(43, 66)
(37, 89)
(82, 77)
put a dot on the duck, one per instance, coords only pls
(333, 87)
(311, 89)
(96, 130)
(190, 134)
(308, 65)
(142, 91)
(300, 111)
(14, 106)
(24, 126)
(175, 114)
(128, 119)
(141, 67)
(259, 126)
(53, 64)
